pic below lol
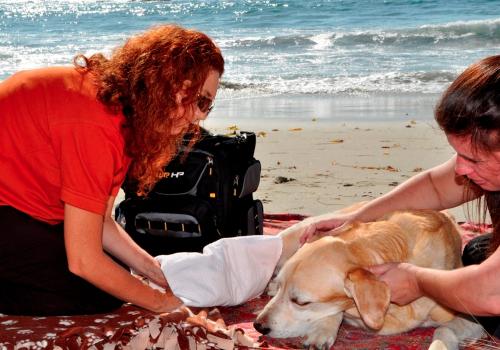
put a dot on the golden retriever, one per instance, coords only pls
(325, 282)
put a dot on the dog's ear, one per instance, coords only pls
(371, 296)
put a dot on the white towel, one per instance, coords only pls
(229, 272)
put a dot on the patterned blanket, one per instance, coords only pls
(224, 328)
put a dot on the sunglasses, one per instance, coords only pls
(205, 104)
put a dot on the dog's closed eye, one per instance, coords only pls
(301, 302)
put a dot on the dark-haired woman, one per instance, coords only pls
(469, 114)
(68, 136)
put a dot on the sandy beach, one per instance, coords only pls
(312, 167)
(330, 159)
(340, 151)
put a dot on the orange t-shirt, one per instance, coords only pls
(58, 144)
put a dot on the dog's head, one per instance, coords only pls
(322, 279)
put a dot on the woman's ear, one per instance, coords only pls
(179, 97)
(181, 94)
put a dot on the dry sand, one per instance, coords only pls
(312, 167)
(331, 165)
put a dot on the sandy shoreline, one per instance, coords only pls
(332, 165)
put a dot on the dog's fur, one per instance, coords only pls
(325, 281)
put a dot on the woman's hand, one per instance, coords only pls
(329, 226)
(166, 300)
(401, 279)
(171, 302)
(156, 275)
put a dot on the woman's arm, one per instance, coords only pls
(119, 244)
(437, 188)
(474, 289)
(83, 236)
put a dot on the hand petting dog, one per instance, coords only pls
(401, 279)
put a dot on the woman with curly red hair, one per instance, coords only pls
(68, 137)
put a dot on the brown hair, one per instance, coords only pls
(471, 107)
(141, 80)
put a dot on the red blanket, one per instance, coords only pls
(133, 328)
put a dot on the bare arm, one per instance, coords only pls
(472, 290)
(83, 236)
(119, 244)
(437, 188)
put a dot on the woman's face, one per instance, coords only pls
(481, 167)
(202, 105)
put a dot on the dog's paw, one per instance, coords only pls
(323, 333)
(320, 341)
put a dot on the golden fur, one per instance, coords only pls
(325, 281)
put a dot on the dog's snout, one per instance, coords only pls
(261, 328)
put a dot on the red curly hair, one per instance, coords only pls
(141, 80)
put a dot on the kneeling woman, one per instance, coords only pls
(68, 136)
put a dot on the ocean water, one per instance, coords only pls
(277, 48)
